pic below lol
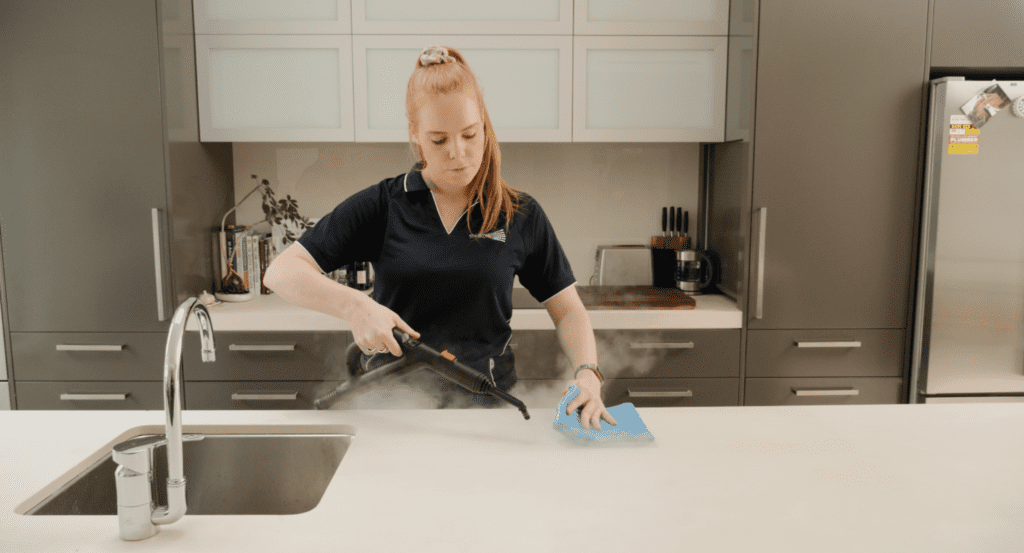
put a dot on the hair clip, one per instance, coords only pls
(435, 54)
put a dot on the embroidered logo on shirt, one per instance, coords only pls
(498, 235)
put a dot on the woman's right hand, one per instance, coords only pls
(371, 328)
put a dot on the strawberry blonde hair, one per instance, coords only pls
(487, 187)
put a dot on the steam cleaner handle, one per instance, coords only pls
(445, 364)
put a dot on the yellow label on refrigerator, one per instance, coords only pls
(964, 137)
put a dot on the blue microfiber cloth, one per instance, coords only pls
(630, 428)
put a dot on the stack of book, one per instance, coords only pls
(250, 254)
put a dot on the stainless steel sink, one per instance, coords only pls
(240, 470)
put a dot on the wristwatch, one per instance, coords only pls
(591, 366)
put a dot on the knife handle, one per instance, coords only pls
(664, 220)
(679, 221)
(671, 220)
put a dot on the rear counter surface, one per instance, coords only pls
(270, 312)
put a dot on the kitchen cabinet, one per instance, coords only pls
(268, 356)
(538, 109)
(682, 97)
(265, 88)
(110, 356)
(649, 368)
(479, 17)
(255, 395)
(814, 217)
(106, 213)
(295, 17)
(78, 396)
(823, 391)
(264, 370)
(972, 34)
(651, 17)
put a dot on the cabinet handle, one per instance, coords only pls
(89, 347)
(261, 347)
(763, 222)
(682, 393)
(828, 344)
(158, 268)
(253, 396)
(93, 397)
(835, 392)
(660, 345)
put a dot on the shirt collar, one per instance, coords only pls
(413, 182)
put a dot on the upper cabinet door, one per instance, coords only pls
(274, 88)
(969, 33)
(649, 89)
(466, 17)
(269, 17)
(526, 84)
(652, 17)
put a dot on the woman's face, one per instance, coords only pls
(451, 136)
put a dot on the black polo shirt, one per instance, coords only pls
(452, 288)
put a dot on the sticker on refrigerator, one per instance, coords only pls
(964, 137)
(985, 104)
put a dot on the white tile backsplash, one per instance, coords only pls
(593, 193)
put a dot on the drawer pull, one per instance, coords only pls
(835, 392)
(93, 397)
(660, 345)
(681, 393)
(261, 347)
(828, 344)
(253, 396)
(89, 347)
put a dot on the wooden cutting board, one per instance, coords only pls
(634, 297)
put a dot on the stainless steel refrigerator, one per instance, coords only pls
(969, 320)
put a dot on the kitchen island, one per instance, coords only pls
(923, 478)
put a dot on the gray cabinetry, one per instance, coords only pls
(814, 219)
(255, 394)
(836, 140)
(79, 396)
(264, 370)
(106, 205)
(649, 368)
(978, 33)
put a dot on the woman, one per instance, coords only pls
(451, 282)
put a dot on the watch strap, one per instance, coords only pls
(590, 366)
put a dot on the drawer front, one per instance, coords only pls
(825, 353)
(823, 391)
(78, 396)
(668, 353)
(255, 395)
(268, 356)
(76, 356)
(672, 392)
(539, 355)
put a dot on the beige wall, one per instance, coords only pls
(594, 193)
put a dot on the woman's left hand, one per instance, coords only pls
(590, 398)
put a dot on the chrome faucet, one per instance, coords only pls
(137, 514)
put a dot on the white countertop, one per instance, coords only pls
(926, 478)
(271, 313)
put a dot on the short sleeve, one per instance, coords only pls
(545, 271)
(352, 231)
